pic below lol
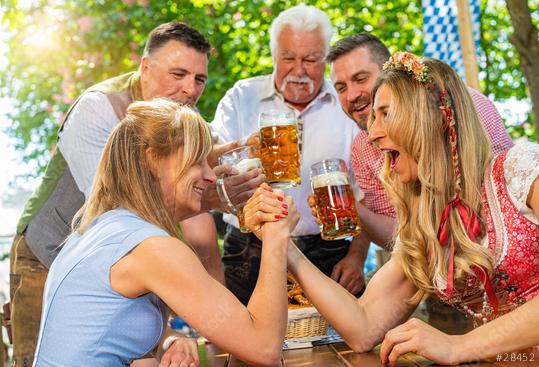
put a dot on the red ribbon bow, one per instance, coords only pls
(468, 217)
(473, 230)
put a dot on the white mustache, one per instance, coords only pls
(294, 79)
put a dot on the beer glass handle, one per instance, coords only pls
(221, 191)
(358, 193)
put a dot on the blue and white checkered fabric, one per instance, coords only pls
(441, 34)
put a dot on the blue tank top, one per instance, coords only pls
(86, 323)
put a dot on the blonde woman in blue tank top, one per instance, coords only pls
(107, 292)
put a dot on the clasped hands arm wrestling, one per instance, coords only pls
(382, 314)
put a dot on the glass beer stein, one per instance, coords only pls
(242, 159)
(334, 199)
(279, 151)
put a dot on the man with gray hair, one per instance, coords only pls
(299, 44)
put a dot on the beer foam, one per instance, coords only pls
(248, 164)
(276, 120)
(330, 179)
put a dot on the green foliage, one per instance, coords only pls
(499, 60)
(524, 130)
(57, 48)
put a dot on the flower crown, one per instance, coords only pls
(411, 64)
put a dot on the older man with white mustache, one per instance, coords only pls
(299, 42)
(297, 84)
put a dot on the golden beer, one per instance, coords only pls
(336, 204)
(241, 221)
(279, 151)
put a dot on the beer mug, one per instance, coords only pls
(334, 199)
(243, 159)
(279, 151)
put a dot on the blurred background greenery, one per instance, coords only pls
(58, 48)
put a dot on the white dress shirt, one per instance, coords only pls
(84, 135)
(327, 132)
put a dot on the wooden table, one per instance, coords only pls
(338, 355)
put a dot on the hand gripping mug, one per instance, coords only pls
(279, 151)
(243, 159)
(335, 200)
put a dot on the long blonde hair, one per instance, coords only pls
(417, 124)
(124, 177)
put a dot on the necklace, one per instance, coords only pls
(484, 315)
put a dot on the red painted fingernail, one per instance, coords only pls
(277, 216)
(284, 212)
(280, 198)
(285, 206)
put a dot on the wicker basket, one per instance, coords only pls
(305, 322)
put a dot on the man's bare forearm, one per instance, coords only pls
(359, 247)
(379, 228)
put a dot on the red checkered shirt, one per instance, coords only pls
(367, 160)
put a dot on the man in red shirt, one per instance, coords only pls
(356, 61)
